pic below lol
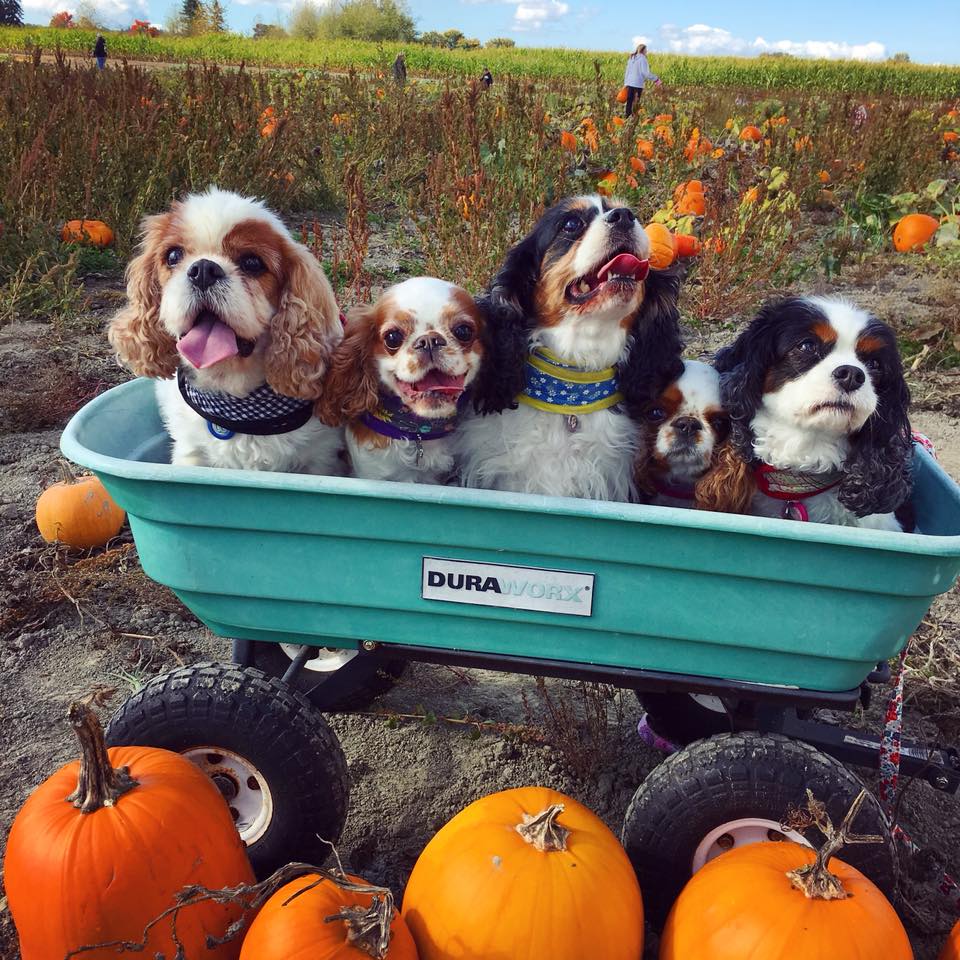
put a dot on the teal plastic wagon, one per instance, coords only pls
(332, 584)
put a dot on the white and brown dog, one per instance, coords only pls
(224, 298)
(581, 335)
(686, 427)
(399, 378)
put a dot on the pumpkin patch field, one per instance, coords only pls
(757, 187)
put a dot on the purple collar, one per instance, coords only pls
(393, 419)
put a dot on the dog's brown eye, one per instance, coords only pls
(873, 364)
(572, 225)
(251, 263)
(808, 345)
(656, 415)
(463, 332)
(393, 339)
(174, 256)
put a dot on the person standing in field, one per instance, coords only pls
(400, 69)
(100, 51)
(486, 78)
(637, 74)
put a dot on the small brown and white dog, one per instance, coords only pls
(583, 336)
(685, 428)
(224, 298)
(399, 377)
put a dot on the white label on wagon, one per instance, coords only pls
(499, 585)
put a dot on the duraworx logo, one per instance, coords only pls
(503, 585)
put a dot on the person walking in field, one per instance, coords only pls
(100, 51)
(637, 74)
(486, 78)
(400, 69)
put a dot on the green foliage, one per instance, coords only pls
(11, 13)
(304, 23)
(218, 21)
(268, 31)
(500, 42)
(371, 20)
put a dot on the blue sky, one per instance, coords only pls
(929, 30)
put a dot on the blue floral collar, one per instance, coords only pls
(557, 386)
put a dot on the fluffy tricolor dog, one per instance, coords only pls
(221, 296)
(581, 333)
(685, 429)
(815, 391)
(398, 378)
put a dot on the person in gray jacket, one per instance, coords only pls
(637, 74)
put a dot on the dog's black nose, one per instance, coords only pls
(429, 342)
(621, 217)
(203, 274)
(849, 378)
(687, 427)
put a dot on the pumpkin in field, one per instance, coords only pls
(622, 95)
(951, 949)
(645, 149)
(662, 248)
(913, 231)
(688, 198)
(748, 902)
(94, 232)
(568, 141)
(78, 512)
(520, 874)
(686, 244)
(333, 920)
(751, 134)
(101, 848)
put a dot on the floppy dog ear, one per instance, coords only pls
(653, 362)
(508, 310)
(304, 330)
(728, 486)
(352, 382)
(135, 332)
(878, 476)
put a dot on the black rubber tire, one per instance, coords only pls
(679, 718)
(260, 719)
(379, 679)
(733, 776)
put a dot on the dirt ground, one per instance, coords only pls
(99, 624)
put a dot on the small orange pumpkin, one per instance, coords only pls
(622, 95)
(330, 920)
(751, 133)
(645, 149)
(752, 195)
(524, 873)
(94, 232)
(568, 141)
(269, 128)
(951, 949)
(78, 512)
(662, 246)
(914, 231)
(637, 165)
(743, 902)
(688, 198)
(687, 245)
(102, 847)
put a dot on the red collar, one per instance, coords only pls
(792, 485)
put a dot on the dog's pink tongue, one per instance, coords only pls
(208, 342)
(624, 265)
(440, 383)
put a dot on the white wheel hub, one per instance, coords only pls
(739, 833)
(327, 659)
(244, 788)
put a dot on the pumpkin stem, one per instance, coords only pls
(99, 784)
(368, 928)
(543, 831)
(66, 472)
(815, 879)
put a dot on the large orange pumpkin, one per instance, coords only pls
(622, 95)
(951, 949)
(914, 231)
(769, 901)
(94, 232)
(520, 874)
(101, 848)
(645, 149)
(751, 133)
(78, 512)
(686, 244)
(301, 928)
(662, 248)
(688, 198)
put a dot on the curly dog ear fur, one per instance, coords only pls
(654, 361)
(138, 339)
(728, 486)
(304, 330)
(352, 382)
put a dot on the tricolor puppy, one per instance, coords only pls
(581, 335)
(818, 404)
(221, 296)
(399, 378)
(685, 428)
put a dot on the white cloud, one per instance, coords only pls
(533, 14)
(701, 39)
(116, 12)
